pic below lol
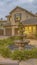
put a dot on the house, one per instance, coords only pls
(28, 19)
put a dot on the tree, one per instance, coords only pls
(20, 26)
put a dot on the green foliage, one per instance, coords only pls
(17, 37)
(24, 54)
(17, 54)
(6, 42)
(20, 27)
(5, 52)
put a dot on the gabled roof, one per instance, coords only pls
(8, 16)
(32, 21)
(21, 9)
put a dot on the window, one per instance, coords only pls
(17, 17)
(26, 30)
(34, 29)
(30, 29)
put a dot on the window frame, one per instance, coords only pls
(18, 15)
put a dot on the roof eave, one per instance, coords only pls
(22, 9)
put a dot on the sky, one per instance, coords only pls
(7, 5)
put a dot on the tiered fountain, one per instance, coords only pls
(22, 41)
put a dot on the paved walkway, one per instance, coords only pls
(33, 42)
(7, 61)
(29, 62)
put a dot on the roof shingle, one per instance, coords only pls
(32, 21)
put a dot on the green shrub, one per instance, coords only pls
(17, 37)
(24, 54)
(6, 42)
(17, 55)
(6, 52)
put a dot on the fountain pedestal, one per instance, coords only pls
(21, 43)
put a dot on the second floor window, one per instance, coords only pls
(17, 17)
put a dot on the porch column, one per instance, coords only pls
(4, 32)
(13, 31)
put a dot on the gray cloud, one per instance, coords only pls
(35, 2)
(7, 5)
